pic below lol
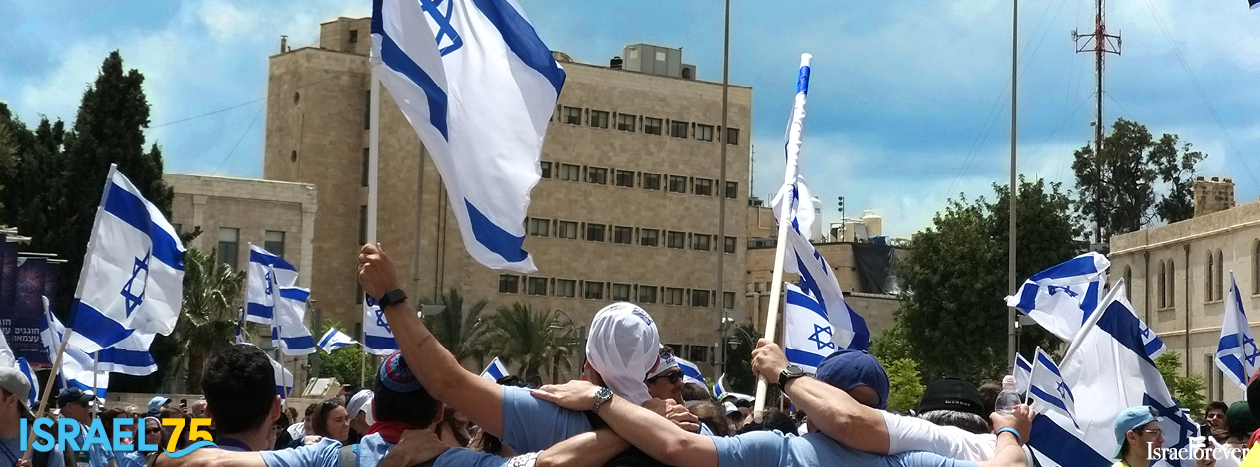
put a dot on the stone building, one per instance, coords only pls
(626, 210)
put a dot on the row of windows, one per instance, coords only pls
(230, 240)
(631, 179)
(631, 123)
(592, 232)
(594, 290)
(693, 353)
(1214, 284)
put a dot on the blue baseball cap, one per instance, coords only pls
(1131, 419)
(847, 369)
(156, 404)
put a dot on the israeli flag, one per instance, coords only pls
(1112, 369)
(378, 338)
(131, 356)
(1048, 391)
(1254, 4)
(719, 388)
(288, 329)
(76, 365)
(495, 370)
(1023, 374)
(32, 396)
(266, 274)
(284, 378)
(1236, 352)
(133, 272)
(691, 372)
(1062, 297)
(334, 339)
(479, 87)
(810, 336)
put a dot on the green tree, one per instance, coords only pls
(952, 314)
(905, 385)
(739, 374)
(1188, 390)
(535, 343)
(891, 345)
(1117, 189)
(212, 301)
(460, 329)
(345, 364)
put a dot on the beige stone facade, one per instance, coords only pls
(1179, 276)
(1213, 195)
(627, 208)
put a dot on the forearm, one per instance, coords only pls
(839, 416)
(1007, 452)
(590, 449)
(214, 458)
(657, 436)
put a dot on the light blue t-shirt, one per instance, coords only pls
(98, 456)
(327, 453)
(11, 450)
(531, 424)
(762, 448)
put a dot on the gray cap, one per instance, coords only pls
(14, 381)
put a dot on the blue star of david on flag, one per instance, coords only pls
(819, 341)
(128, 292)
(378, 337)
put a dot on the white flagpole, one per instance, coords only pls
(1093, 319)
(374, 143)
(43, 400)
(780, 250)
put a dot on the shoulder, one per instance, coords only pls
(464, 457)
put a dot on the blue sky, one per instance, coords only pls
(909, 103)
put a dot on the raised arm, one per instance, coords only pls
(655, 435)
(446, 380)
(830, 409)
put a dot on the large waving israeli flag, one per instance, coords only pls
(334, 339)
(133, 272)
(1236, 352)
(288, 329)
(1062, 297)
(479, 87)
(1112, 369)
(809, 336)
(1048, 391)
(131, 356)
(76, 365)
(495, 370)
(378, 338)
(284, 378)
(266, 274)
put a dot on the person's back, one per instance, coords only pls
(772, 448)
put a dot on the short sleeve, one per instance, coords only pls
(752, 449)
(461, 457)
(57, 459)
(326, 453)
(927, 459)
(915, 434)
(531, 424)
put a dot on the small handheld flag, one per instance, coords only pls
(691, 372)
(284, 379)
(32, 397)
(266, 274)
(495, 370)
(334, 339)
(1048, 391)
(1023, 373)
(378, 338)
(289, 328)
(1236, 351)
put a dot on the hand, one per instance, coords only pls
(1020, 420)
(376, 271)
(768, 360)
(415, 447)
(682, 417)
(656, 405)
(573, 395)
(23, 463)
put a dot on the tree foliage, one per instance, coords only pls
(461, 330)
(346, 364)
(1118, 190)
(905, 385)
(532, 344)
(952, 313)
(1188, 390)
(212, 300)
(739, 374)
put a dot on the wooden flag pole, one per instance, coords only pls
(43, 399)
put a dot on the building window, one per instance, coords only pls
(652, 126)
(597, 175)
(536, 286)
(1163, 285)
(699, 298)
(1207, 277)
(728, 245)
(509, 283)
(1255, 267)
(676, 240)
(566, 229)
(703, 187)
(673, 296)
(621, 292)
(354, 36)
(367, 109)
(565, 287)
(647, 294)
(624, 178)
(649, 237)
(677, 184)
(571, 116)
(626, 122)
(698, 353)
(728, 300)
(732, 136)
(273, 242)
(362, 224)
(623, 235)
(732, 190)
(367, 168)
(593, 290)
(229, 239)
(700, 242)
(546, 169)
(651, 181)
(595, 232)
(599, 119)
(678, 129)
(1220, 276)
(704, 132)
(570, 172)
(1128, 281)
(539, 227)
(1172, 286)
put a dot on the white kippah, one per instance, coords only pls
(623, 345)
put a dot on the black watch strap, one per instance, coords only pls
(392, 297)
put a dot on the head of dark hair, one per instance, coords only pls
(695, 392)
(310, 409)
(772, 419)
(514, 381)
(988, 395)
(417, 407)
(319, 418)
(240, 387)
(1216, 405)
(711, 415)
(966, 420)
(741, 403)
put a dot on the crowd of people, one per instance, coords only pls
(633, 407)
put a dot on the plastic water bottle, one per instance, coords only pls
(1008, 398)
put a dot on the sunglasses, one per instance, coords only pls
(674, 377)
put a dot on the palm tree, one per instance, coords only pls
(533, 341)
(460, 330)
(212, 300)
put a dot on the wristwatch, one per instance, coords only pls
(790, 373)
(392, 297)
(602, 395)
